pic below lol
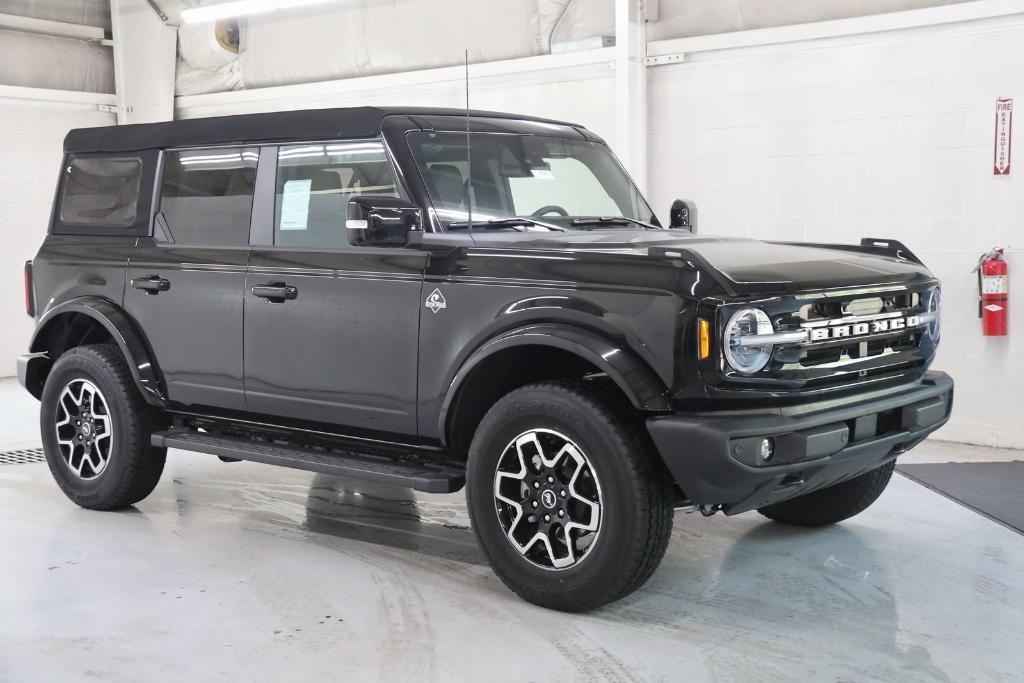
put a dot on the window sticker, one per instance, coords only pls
(295, 205)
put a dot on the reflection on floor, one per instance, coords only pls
(392, 516)
(247, 572)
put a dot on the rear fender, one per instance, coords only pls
(121, 328)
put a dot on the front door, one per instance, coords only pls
(185, 283)
(331, 329)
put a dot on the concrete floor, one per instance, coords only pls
(245, 572)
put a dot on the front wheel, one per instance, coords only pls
(96, 429)
(565, 499)
(833, 504)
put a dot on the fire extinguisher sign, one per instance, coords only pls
(1004, 135)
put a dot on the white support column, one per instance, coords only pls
(631, 89)
(145, 57)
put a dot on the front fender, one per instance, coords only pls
(635, 378)
(122, 329)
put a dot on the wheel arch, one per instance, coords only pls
(561, 351)
(90, 320)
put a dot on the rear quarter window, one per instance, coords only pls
(105, 193)
(101, 191)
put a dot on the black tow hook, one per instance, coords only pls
(709, 510)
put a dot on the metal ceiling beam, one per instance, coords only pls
(45, 27)
(159, 12)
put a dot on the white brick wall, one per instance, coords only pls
(883, 135)
(31, 138)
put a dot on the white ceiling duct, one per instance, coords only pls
(207, 45)
(565, 21)
(208, 58)
(381, 36)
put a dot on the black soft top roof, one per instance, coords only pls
(309, 124)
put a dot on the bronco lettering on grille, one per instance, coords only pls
(884, 326)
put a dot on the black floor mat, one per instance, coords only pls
(994, 489)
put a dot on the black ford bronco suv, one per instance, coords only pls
(430, 298)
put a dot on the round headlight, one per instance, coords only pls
(742, 357)
(935, 308)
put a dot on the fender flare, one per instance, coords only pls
(122, 329)
(634, 377)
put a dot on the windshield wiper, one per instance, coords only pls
(499, 223)
(612, 220)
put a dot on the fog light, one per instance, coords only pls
(767, 450)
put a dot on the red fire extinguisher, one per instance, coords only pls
(993, 293)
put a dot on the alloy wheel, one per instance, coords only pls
(548, 499)
(84, 428)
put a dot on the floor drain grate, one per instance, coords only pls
(22, 457)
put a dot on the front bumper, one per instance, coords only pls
(713, 456)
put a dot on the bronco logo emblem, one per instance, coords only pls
(435, 302)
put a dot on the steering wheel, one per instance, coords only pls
(550, 208)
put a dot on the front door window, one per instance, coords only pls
(314, 184)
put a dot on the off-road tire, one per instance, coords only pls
(833, 504)
(134, 466)
(636, 495)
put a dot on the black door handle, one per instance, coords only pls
(154, 284)
(275, 292)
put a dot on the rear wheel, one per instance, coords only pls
(833, 504)
(96, 427)
(565, 499)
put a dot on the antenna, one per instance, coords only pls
(469, 159)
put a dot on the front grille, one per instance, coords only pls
(851, 336)
(839, 360)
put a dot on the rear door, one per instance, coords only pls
(185, 283)
(331, 329)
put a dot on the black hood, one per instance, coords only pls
(748, 265)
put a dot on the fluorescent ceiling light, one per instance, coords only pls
(240, 8)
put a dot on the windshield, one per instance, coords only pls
(551, 183)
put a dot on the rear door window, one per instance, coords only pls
(206, 196)
(101, 191)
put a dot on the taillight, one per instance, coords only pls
(30, 299)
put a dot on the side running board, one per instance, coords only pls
(343, 463)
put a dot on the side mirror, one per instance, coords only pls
(380, 221)
(683, 216)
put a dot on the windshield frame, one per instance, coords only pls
(440, 222)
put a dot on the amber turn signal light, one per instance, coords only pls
(704, 334)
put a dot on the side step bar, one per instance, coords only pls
(351, 464)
